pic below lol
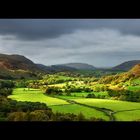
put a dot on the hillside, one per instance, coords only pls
(16, 62)
(45, 68)
(55, 68)
(126, 65)
(17, 66)
(79, 66)
(133, 73)
(66, 67)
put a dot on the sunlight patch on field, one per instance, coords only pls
(76, 109)
(133, 88)
(114, 105)
(34, 95)
(128, 115)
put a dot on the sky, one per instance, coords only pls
(99, 42)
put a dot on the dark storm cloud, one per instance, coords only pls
(100, 42)
(32, 29)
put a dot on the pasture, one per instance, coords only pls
(123, 110)
(33, 95)
(133, 88)
(76, 109)
(113, 105)
(132, 115)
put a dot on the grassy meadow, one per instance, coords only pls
(114, 105)
(123, 110)
(33, 95)
(76, 109)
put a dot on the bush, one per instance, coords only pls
(102, 96)
(6, 84)
(91, 96)
(96, 119)
(81, 117)
(122, 97)
(30, 106)
(64, 117)
(5, 91)
(38, 115)
(53, 90)
(17, 116)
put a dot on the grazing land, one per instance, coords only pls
(122, 110)
(34, 95)
(76, 109)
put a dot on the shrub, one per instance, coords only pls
(91, 96)
(38, 115)
(53, 90)
(17, 116)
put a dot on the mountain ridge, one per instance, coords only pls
(15, 63)
(127, 65)
(79, 66)
(17, 66)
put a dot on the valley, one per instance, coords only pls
(69, 94)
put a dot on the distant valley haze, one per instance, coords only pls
(102, 43)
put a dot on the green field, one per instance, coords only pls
(58, 105)
(76, 109)
(133, 88)
(114, 105)
(128, 115)
(136, 81)
(123, 110)
(34, 95)
(67, 97)
(84, 94)
(80, 94)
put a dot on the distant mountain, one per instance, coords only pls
(126, 65)
(62, 68)
(66, 67)
(44, 67)
(18, 66)
(79, 66)
(55, 68)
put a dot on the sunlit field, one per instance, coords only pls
(32, 95)
(110, 104)
(76, 109)
(123, 110)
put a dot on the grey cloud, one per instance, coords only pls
(32, 29)
(97, 42)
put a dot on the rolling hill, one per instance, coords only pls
(16, 62)
(55, 68)
(126, 65)
(132, 74)
(79, 66)
(135, 71)
(72, 67)
(17, 66)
